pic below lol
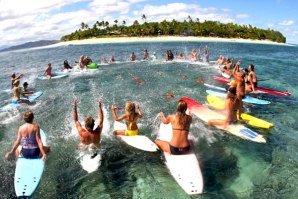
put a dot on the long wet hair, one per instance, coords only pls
(89, 123)
(181, 113)
(130, 108)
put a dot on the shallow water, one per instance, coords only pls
(232, 167)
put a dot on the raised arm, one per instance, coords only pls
(164, 119)
(75, 115)
(100, 114)
(116, 118)
(139, 111)
(15, 145)
(40, 144)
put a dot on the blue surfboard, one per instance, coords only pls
(247, 99)
(34, 96)
(9, 106)
(28, 173)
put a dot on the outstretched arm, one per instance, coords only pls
(116, 118)
(139, 111)
(75, 115)
(100, 114)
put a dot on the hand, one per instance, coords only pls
(75, 101)
(161, 114)
(7, 154)
(44, 157)
(112, 107)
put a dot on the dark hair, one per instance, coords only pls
(232, 90)
(89, 123)
(28, 116)
(25, 84)
(252, 67)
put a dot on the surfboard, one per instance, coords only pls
(260, 89)
(9, 90)
(184, 168)
(141, 142)
(90, 158)
(215, 87)
(28, 173)
(219, 103)
(33, 97)
(9, 106)
(206, 114)
(247, 99)
(53, 77)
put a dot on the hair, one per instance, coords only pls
(28, 116)
(181, 112)
(245, 69)
(16, 82)
(130, 108)
(25, 84)
(89, 123)
(252, 67)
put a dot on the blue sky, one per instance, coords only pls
(30, 20)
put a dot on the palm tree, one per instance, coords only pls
(82, 25)
(123, 22)
(144, 17)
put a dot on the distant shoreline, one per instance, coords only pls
(162, 39)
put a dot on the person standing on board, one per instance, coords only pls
(48, 71)
(131, 115)
(14, 78)
(89, 135)
(29, 143)
(180, 123)
(240, 88)
(252, 77)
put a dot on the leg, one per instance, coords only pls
(163, 145)
(119, 132)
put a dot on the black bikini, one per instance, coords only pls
(179, 150)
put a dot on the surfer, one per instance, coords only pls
(231, 109)
(240, 88)
(131, 115)
(112, 59)
(29, 143)
(252, 77)
(153, 57)
(81, 62)
(193, 55)
(14, 78)
(145, 55)
(89, 135)
(25, 89)
(66, 65)
(180, 56)
(17, 91)
(180, 123)
(48, 71)
(133, 57)
(104, 60)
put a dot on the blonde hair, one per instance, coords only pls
(181, 112)
(130, 109)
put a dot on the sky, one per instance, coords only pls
(23, 21)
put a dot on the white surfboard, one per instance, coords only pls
(53, 77)
(90, 158)
(28, 173)
(138, 141)
(184, 168)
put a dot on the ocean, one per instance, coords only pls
(231, 167)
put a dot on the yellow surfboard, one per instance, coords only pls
(219, 104)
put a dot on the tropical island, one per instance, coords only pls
(190, 27)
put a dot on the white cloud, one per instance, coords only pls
(286, 23)
(242, 16)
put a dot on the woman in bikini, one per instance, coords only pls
(180, 123)
(131, 115)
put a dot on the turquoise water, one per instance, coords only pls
(232, 167)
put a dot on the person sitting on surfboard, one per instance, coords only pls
(112, 59)
(17, 91)
(25, 89)
(28, 143)
(231, 109)
(131, 115)
(132, 57)
(66, 65)
(180, 123)
(89, 135)
(145, 55)
(180, 56)
(48, 71)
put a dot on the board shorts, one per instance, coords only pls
(179, 150)
(132, 132)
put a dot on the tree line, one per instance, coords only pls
(187, 27)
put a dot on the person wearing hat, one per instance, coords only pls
(153, 57)
(17, 91)
(231, 110)
(14, 78)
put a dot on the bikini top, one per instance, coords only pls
(180, 129)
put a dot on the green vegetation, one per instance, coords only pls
(174, 28)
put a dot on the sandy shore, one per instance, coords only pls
(161, 39)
